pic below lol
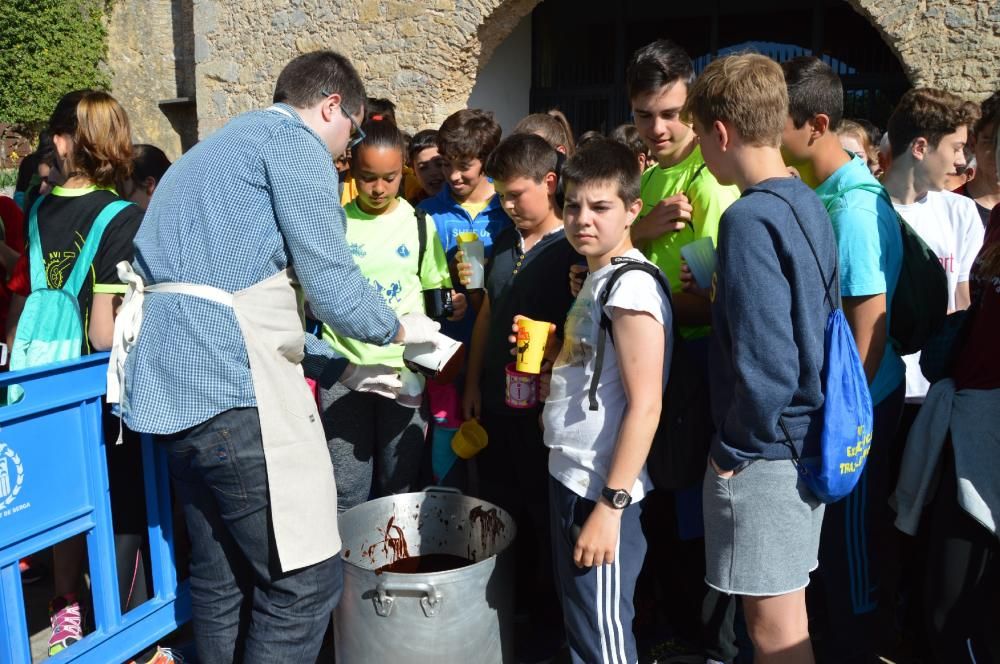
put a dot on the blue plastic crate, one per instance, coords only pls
(53, 485)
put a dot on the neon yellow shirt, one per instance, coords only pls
(386, 249)
(709, 200)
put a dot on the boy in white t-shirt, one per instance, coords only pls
(598, 457)
(927, 134)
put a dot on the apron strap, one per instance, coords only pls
(127, 324)
(196, 290)
(129, 321)
(278, 109)
(129, 318)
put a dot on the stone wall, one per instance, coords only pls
(950, 44)
(425, 54)
(143, 66)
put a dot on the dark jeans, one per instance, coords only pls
(859, 549)
(245, 608)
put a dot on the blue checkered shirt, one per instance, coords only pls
(254, 198)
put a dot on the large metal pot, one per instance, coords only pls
(441, 617)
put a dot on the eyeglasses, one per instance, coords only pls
(356, 134)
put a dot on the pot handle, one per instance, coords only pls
(442, 489)
(383, 599)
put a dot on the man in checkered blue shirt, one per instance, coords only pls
(258, 196)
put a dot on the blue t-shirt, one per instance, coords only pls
(870, 250)
(451, 218)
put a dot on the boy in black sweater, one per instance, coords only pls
(526, 276)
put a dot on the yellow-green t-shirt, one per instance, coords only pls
(709, 200)
(475, 208)
(386, 249)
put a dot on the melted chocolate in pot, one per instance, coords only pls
(432, 562)
(490, 523)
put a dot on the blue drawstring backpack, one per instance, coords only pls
(832, 466)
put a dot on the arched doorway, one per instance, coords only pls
(580, 49)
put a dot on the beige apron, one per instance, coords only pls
(303, 495)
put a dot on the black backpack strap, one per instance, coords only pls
(421, 238)
(560, 185)
(693, 178)
(627, 265)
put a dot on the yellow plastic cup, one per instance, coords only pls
(468, 236)
(469, 440)
(531, 338)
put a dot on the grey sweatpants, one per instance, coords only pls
(375, 444)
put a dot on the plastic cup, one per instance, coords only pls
(531, 338)
(411, 393)
(700, 257)
(473, 253)
(469, 440)
(443, 458)
(522, 388)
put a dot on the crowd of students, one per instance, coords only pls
(803, 208)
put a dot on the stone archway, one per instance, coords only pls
(943, 44)
(426, 54)
(955, 46)
(499, 24)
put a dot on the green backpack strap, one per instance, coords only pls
(86, 258)
(35, 261)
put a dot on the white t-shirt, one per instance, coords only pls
(583, 441)
(951, 227)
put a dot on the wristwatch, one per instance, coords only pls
(619, 498)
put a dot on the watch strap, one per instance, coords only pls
(610, 495)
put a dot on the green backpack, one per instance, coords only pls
(50, 328)
(920, 301)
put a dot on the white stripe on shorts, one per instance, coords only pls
(608, 605)
(600, 613)
(618, 603)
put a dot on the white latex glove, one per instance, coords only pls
(418, 328)
(375, 378)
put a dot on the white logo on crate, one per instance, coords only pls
(11, 479)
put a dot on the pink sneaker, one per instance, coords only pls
(67, 623)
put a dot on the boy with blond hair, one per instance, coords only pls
(770, 303)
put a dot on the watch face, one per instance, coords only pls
(620, 499)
